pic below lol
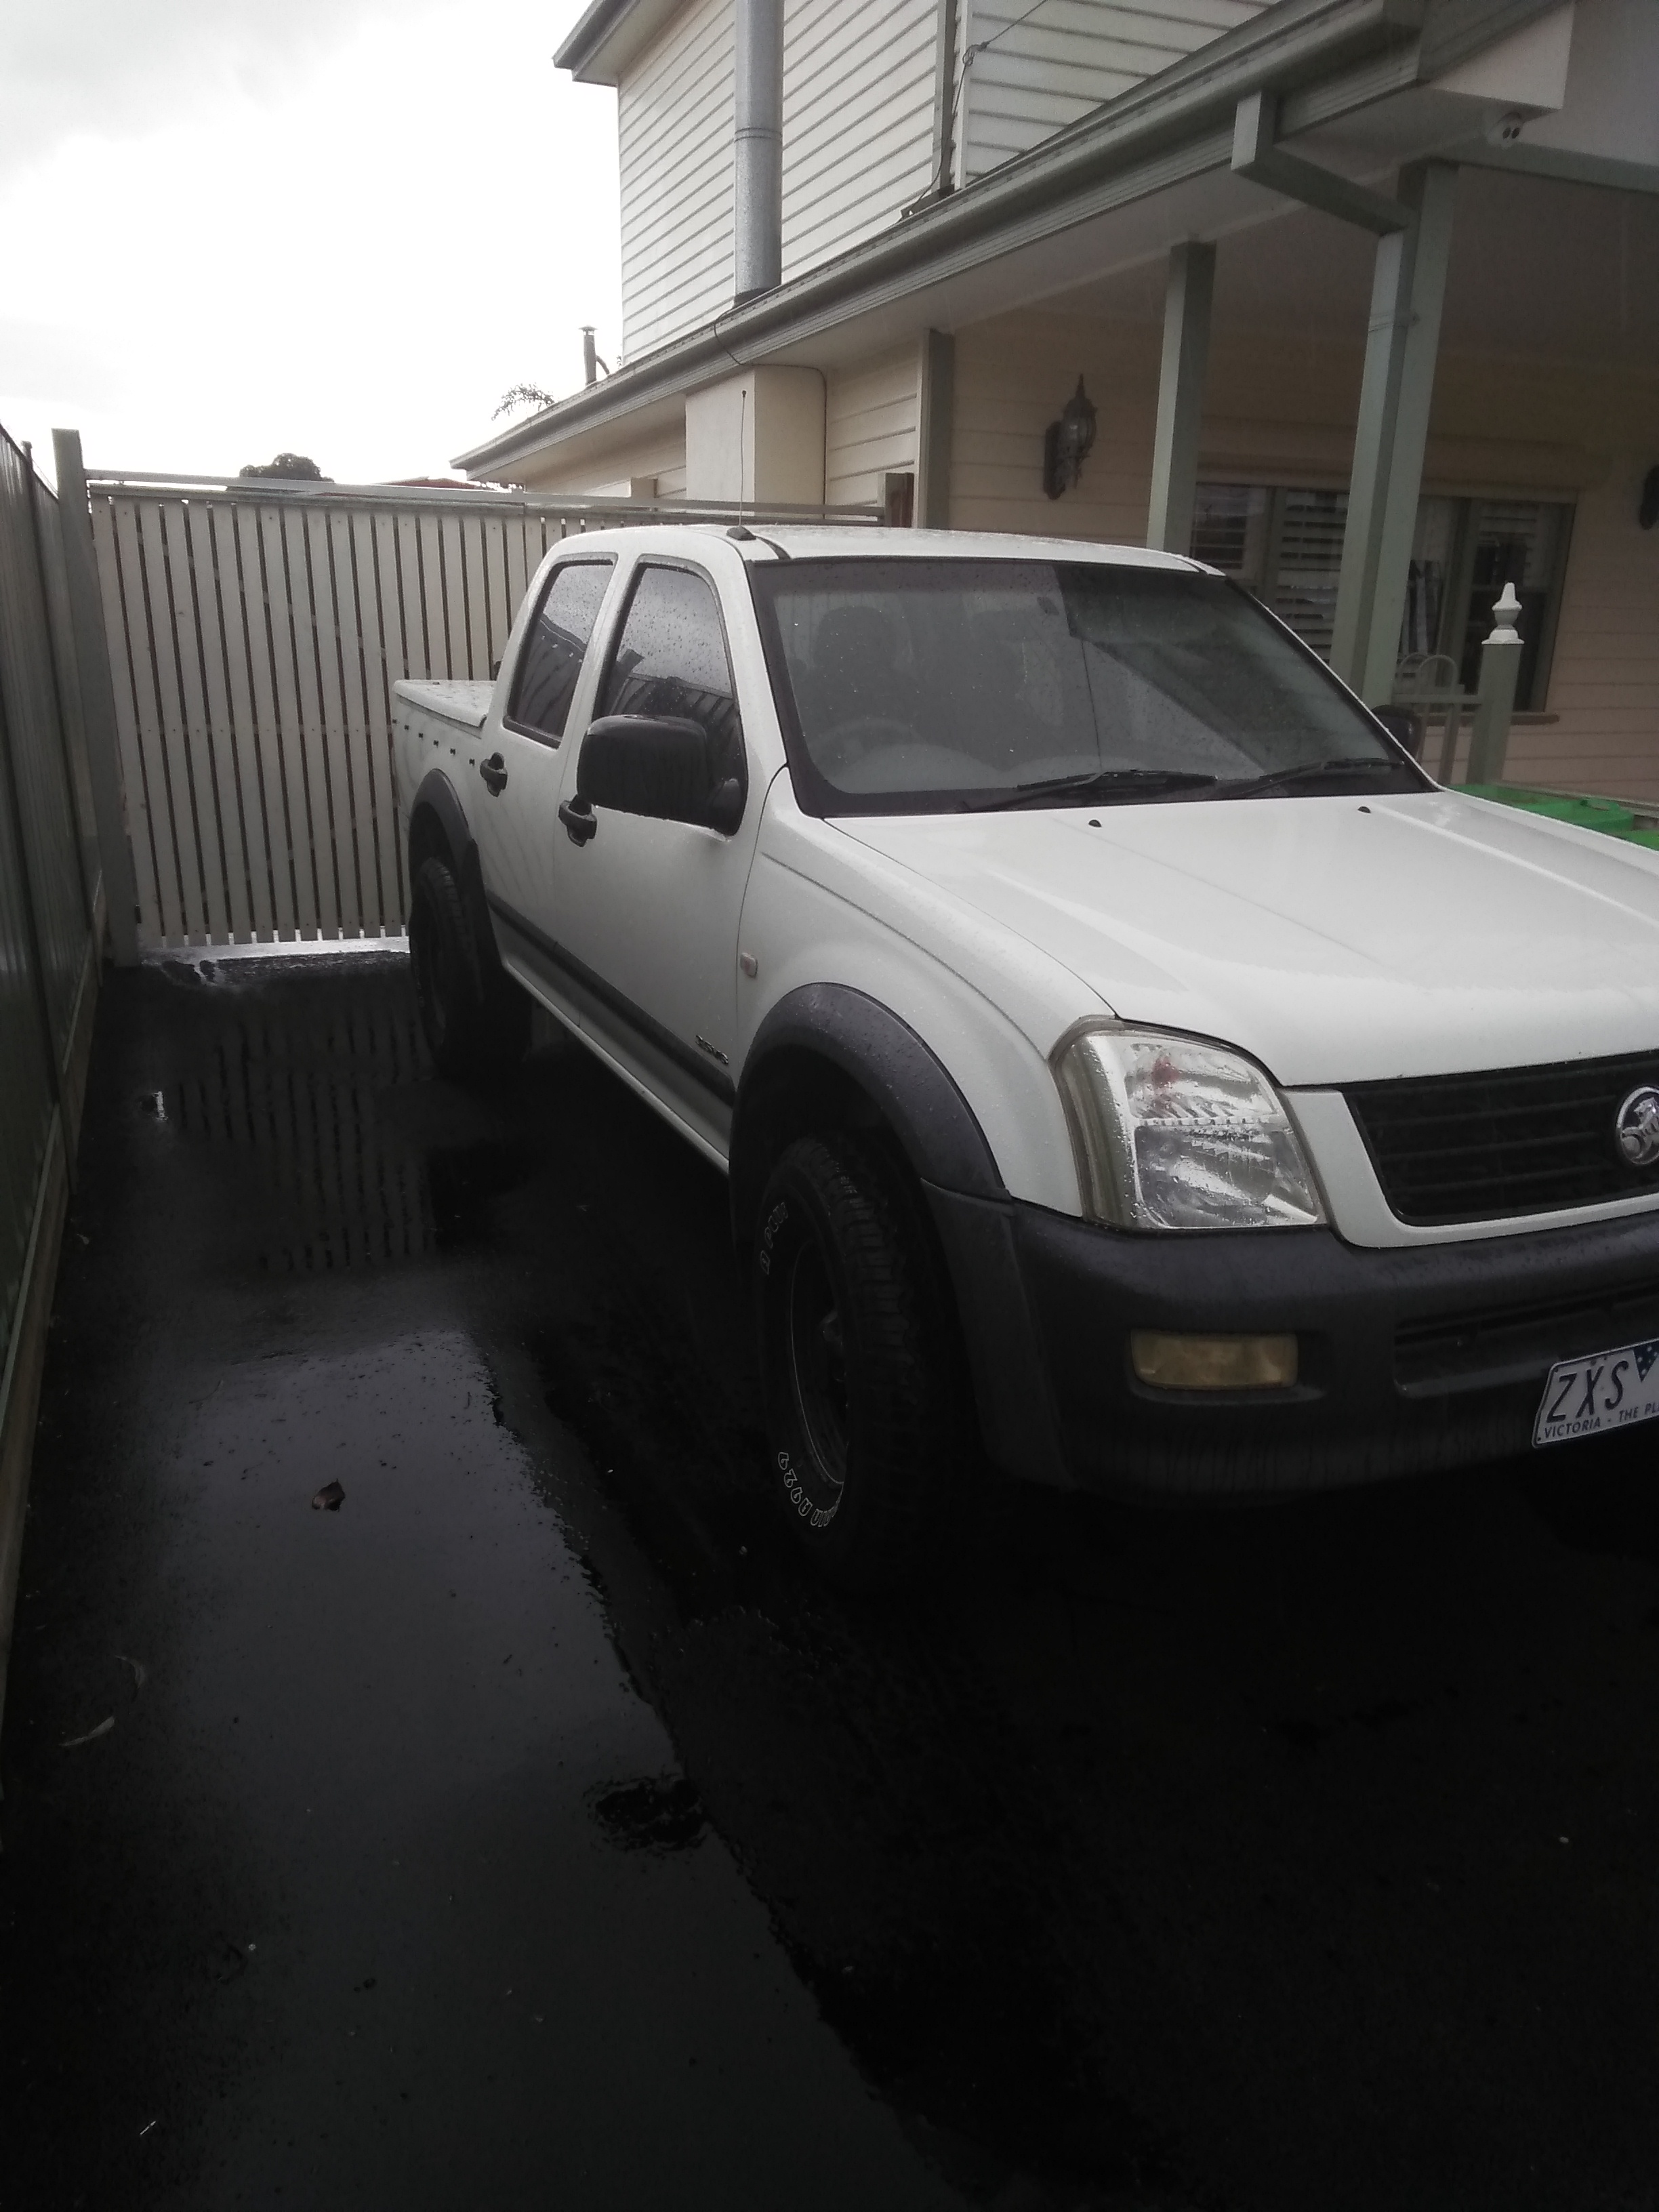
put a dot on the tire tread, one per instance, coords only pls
(901, 1373)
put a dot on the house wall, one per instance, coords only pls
(858, 124)
(870, 425)
(1604, 678)
(655, 461)
(1013, 376)
(858, 120)
(1071, 55)
(858, 104)
(758, 435)
(867, 426)
(1283, 413)
(674, 123)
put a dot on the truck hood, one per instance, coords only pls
(1338, 940)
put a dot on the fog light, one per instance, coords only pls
(1212, 1363)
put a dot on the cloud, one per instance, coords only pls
(43, 360)
(352, 259)
(112, 67)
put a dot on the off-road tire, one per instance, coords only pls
(838, 1224)
(475, 1019)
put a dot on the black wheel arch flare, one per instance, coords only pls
(437, 798)
(831, 1044)
(871, 1048)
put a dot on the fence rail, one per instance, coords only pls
(255, 633)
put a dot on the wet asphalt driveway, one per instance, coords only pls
(527, 1831)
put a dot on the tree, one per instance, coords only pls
(294, 466)
(523, 395)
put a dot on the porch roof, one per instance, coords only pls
(1110, 191)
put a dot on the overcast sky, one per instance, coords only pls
(340, 227)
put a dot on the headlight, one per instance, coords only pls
(1170, 1133)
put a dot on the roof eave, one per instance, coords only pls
(608, 35)
(1321, 57)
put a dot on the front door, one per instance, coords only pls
(647, 909)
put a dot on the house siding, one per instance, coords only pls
(858, 119)
(858, 97)
(1012, 377)
(1069, 57)
(1604, 674)
(870, 425)
(656, 460)
(674, 123)
(858, 124)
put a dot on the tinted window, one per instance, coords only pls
(671, 659)
(922, 685)
(552, 656)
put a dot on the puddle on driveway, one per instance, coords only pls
(342, 1149)
(1308, 1852)
(416, 1749)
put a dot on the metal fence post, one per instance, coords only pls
(1500, 666)
(97, 698)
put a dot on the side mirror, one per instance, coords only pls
(1401, 726)
(659, 765)
(725, 804)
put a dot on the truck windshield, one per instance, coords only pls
(923, 686)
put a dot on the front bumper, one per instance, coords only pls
(1410, 1360)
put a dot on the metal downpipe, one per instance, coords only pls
(757, 187)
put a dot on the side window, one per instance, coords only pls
(671, 659)
(552, 657)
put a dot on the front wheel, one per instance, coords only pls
(864, 1409)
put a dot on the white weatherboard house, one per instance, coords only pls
(1364, 294)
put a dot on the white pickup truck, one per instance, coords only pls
(1129, 1067)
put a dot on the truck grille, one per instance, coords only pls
(1513, 1141)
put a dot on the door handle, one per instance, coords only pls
(494, 775)
(577, 816)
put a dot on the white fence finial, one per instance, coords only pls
(1504, 616)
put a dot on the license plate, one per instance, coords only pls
(1607, 1390)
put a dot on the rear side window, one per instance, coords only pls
(672, 659)
(552, 657)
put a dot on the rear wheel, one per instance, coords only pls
(864, 1416)
(475, 1018)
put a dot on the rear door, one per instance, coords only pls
(647, 910)
(513, 812)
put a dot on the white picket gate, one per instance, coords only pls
(255, 633)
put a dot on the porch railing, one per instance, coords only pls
(1429, 687)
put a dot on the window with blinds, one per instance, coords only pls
(1284, 543)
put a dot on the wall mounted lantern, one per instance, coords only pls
(1067, 444)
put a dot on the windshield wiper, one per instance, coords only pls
(1282, 778)
(1104, 783)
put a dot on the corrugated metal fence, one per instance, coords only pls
(255, 633)
(50, 921)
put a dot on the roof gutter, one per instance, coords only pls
(590, 31)
(1321, 58)
(588, 37)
